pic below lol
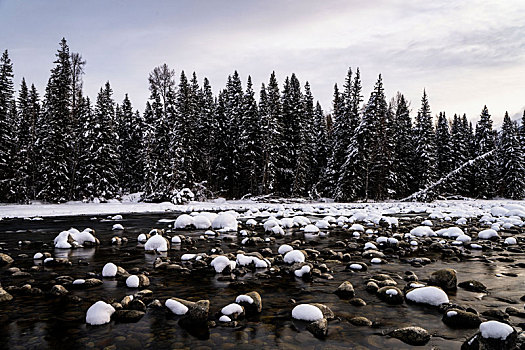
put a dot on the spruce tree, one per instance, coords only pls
(425, 146)
(270, 114)
(459, 154)
(250, 143)
(148, 154)
(205, 134)
(130, 130)
(7, 139)
(512, 161)
(306, 155)
(403, 164)
(329, 180)
(101, 161)
(443, 146)
(321, 147)
(55, 140)
(485, 173)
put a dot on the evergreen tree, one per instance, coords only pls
(249, 143)
(512, 161)
(331, 176)
(130, 131)
(101, 161)
(459, 154)
(485, 174)
(7, 140)
(270, 114)
(221, 150)
(321, 148)
(306, 156)
(425, 146)
(403, 164)
(205, 133)
(443, 146)
(148, 150)
(522, 132)
(55, 144)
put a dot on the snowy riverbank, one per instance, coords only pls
(454, 208)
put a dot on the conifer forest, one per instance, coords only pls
(246, 141)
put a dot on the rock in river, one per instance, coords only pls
(411, 335)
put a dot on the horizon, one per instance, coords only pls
(474, 58)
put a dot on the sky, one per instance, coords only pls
(464, 53)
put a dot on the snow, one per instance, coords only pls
(487, 234)
(356, 267)
(285, 248)
(357, 227)
(294, 256)
(231, 309)
(244, 299)
(427, 223)
(99, 313)
(495, 330)
(510, 241)
(219, 263)
(225, 221)
(142, 238)
(201, 222)
(391, 292)
(422, 231)
(376, 261)
(156, 242)
(132, 281)
(463, 238)
(117, 227)
(451, 232)
(300, 272)
(38, 256)
(187, 256)
(109, 270)
(307, 312)
(270, 224)
(451, 313)
(61, 241)
(428, 295)
(251, 222)
(370, 245)
(244, 260)
(176, 307)
(322, 224)
(224, 318)
(183, 221)
(311, 229)
(175, 240)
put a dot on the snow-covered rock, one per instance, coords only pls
(132, 281)
(311, 229)
(99, 313)
(294, 256)
(109, 270)
(176, 307)
(244, 260)
(422, 231)
(487, 234)
(156, 242)
(428, 295)
(221, 262)
(201, 222)
(307, 312)
(117, 227)
(225, 221)
(183, 221)
(231, 309)
(285, 248)
(495, 330)
(303, 270)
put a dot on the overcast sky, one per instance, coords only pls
(464, 53)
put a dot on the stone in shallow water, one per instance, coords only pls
(5, 296)
(128, 315)
(345, 290)
(411, 335)
(318, 328)
(456, 318)
(360, 321)
(391, 295)
(445, 279)
(473, 286)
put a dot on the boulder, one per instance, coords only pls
(5, 259)
(345, 290)
(411, 335)
(456, 318)
(446, 279)
(391, 295)
(318, 328)
(127, 316)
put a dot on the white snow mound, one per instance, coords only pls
(428, 295)
(99, 313)
(307, 312)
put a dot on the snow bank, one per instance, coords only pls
(428, 295)
(307, 312)
(99, 313)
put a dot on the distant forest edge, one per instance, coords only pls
(65, 147)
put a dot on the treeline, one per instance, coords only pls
(276, 141)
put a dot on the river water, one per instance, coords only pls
(40, 322)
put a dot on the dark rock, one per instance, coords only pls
(318, 328)
(473, 286)
(128, 315)
(197, 314)
(391, 295)
(5, 259)
(360, 321)
(137, 304)
(327, 312)
(512, 311)
(357, 302)
(495, 314)
(58, 290)
(456, 318)
(371, 287)
(446, 279)
(345, 290)
(256, 306)
(5, 296)
(411, 335)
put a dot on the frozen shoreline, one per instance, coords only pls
(471, 207)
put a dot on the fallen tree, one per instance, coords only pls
(432, 191)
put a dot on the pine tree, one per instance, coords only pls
(270, 114)
(221, 146)
(7, 140)
(130, 131)
(292, 110)
(424, 143)
(330, 178)
(522, 132)
(205, 134)
(403, 164)
(55, 140)
(148, 148)
(485, 174)
(512, 161)
(250, 142)
(306, 156)
(101, 161)
(443, 146)
(459, 154)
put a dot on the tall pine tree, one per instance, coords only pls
(425, 147)
(512, 161)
